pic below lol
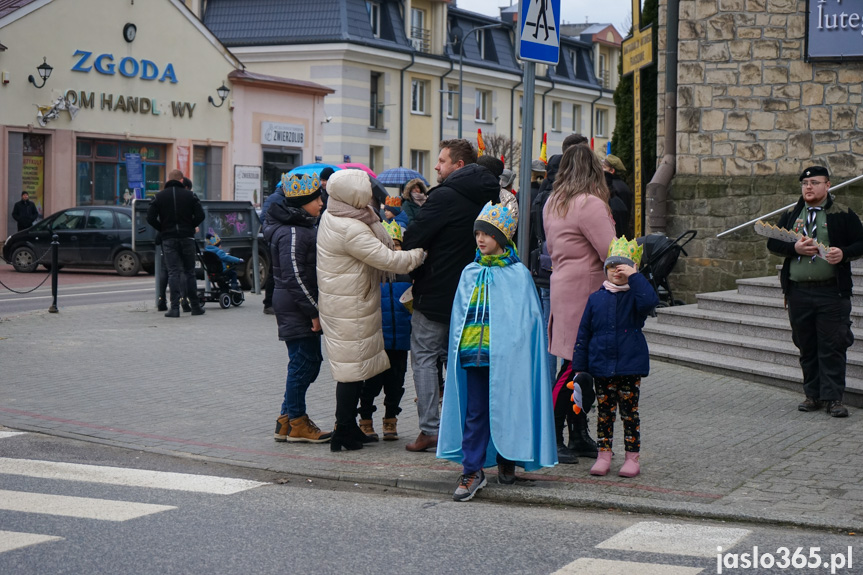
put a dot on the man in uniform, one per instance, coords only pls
(817, 287)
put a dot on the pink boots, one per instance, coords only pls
(630, 468)
(603, 462)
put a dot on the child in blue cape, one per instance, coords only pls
(612, 348)
(214, 243)
(497, 398)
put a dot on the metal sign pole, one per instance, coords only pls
(524, 219)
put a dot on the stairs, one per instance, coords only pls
(745, 333)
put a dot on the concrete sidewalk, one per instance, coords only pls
(211, 387)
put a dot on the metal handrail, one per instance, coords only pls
(774, 212)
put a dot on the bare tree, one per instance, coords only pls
(498, 145)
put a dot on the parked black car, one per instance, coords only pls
(89, 237)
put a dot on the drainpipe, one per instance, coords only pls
(402, 110)
(657, 189)
(550, 79)
(442, 95)
(512, 118)
(593, 114)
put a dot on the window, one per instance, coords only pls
(576, 118)
(420, 35)
(555, 116)
(376, 158)
(604, 78)
(419, 159)
(376, 104)
(374, 10)
(101, 171)
(100, 220)
(520, 110)
(418, 96)
(483, 99)
(68, 220)
(452, 101)
(199, 173)
(480, 41)
(601, 121)
(572, 57)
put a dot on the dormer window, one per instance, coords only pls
(480, 40)
(420, 35)
(374, 10)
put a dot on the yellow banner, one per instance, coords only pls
(33, 178)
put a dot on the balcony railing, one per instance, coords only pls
(421, 39)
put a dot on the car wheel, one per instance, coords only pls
(225, 301)
(127, 263)
(237, 298)
(24, 260)
(247, 281)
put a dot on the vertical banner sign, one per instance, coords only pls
(183, 156)
(637, 54)
(135, 175)
(247, 184)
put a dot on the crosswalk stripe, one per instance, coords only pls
(125, 477)
(10, 540)
(674, 538)
(5, 434)
(589, 566)
(79, 507)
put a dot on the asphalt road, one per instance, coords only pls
(291, 524)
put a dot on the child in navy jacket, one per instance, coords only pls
(214, 244)
(612, 348)
(396, 320)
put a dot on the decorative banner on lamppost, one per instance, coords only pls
(637, 54)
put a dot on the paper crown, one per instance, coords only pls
(393, 201)
(623, 251)
(393, 229)
(499, 217)
(295, 186)
(213, 239)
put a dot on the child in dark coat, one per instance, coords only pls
(396, 319)
(612, 348)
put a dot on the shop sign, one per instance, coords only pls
(247, 184)
(121, 103)
(834, 31)
(283, 134)
(128, 67)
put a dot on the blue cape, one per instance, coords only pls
(520, 406)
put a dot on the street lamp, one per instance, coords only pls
(461, 66)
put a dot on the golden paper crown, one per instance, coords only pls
(623, 251)
(295, 186)
(500, 217)
(393, 201)
(393, 229)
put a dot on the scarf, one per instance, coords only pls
(368, 216)
(614, 288)
(419, 198)
(473, 347)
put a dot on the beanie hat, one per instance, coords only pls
(213, 239)
(623, 251)
(497, 221)
(507, 178)
(326, 173)
(300, 190)
(393, 229)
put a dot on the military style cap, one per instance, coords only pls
(814, 171)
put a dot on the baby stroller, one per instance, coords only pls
(220, 284)
(658, 260)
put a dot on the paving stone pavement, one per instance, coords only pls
(211, 386)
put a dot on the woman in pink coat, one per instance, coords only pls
(578, 230)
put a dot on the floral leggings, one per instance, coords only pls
(610, 392)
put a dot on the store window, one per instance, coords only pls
(199, 174)
(102, 177)
(277, 163)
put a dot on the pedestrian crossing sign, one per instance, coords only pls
(539, 31)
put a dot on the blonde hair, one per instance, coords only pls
(414, 183)
(580, 174)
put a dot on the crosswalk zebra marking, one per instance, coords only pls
(589, 566)
(674, 538)
(79, 507)
(10, 540)
(125, 477)
(5, 434)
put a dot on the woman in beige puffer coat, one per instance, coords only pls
(354, 254)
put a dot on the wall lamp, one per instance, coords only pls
(44, 72)
(223, 94)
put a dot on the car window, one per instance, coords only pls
(100, 220)
(68, 220)
(124, 221)
(42, 226)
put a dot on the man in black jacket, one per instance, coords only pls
(816, 281)
(444, 228)
(621, 197)
(176, 212)
(25, 212)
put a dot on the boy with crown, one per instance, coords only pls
(497, 398)
(612, 348)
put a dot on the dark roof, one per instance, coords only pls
(499, 49)
(279, 22)
(563, 72)
(9, 6)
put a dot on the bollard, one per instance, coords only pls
(55, 246)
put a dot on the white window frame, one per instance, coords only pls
(601, 121)
(480, 41)
(576, 118)
(376, 100)
(419, 99)
(419, 160)
(520, 110)
(483, 105)
(374, 10)
(572, 57)
(452, 101)
(555, 117)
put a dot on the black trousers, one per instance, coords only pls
(180, 257)
(821, 329)
(392, 381)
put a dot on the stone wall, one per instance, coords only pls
(751, 114)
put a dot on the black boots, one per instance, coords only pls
(347, 433)
(564, 454)
(342, 437)
(580, 441)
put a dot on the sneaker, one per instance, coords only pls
(184, 303)
(468, 485)
(304, 429)
(269, 311)
(283, 428)
(162, 305)
(809, 404)
(836, 409)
